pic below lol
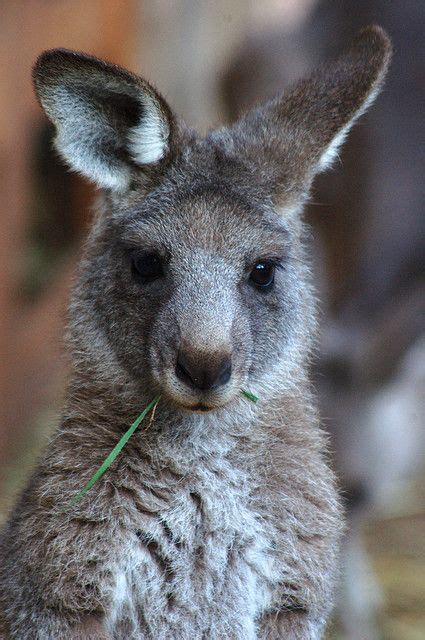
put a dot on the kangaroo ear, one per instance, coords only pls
(298, 134)
(109, 122)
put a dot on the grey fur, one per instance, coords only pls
(213, 525)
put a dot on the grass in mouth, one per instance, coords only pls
(123, 441)
(249, 395)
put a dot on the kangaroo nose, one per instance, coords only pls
(203, 372)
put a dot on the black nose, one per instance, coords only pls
(203, 372)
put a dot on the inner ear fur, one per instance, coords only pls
(109, 122)
(298, 133)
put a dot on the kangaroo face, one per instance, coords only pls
(197, 292)
(194, 278)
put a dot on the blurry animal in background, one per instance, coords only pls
(370, 234)
(221, 520)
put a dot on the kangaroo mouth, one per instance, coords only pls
(198, 407)
(201, 407)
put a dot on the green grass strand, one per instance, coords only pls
(123, 441)
(115, 451)
(249, 395)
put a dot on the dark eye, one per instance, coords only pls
(147, 267)
(262, 274)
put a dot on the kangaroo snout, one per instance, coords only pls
(203, 371)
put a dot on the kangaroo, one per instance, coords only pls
(220, 518)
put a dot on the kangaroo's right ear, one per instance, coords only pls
(109, 122)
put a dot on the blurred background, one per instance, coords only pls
(212, 60)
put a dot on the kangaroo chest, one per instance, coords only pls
(202, 567)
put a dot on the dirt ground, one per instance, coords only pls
(396, 544)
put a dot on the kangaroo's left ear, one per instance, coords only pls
(109, 122)
(298, 134)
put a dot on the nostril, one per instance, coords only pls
(182, 370)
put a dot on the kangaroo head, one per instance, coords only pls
(194, 279)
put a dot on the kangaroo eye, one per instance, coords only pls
(262, 274)
(147, 267)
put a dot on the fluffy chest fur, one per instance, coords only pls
(230, 532)
(203, 566)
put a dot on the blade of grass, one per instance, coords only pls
(249, 395)
(123, 441)
(115, 451)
